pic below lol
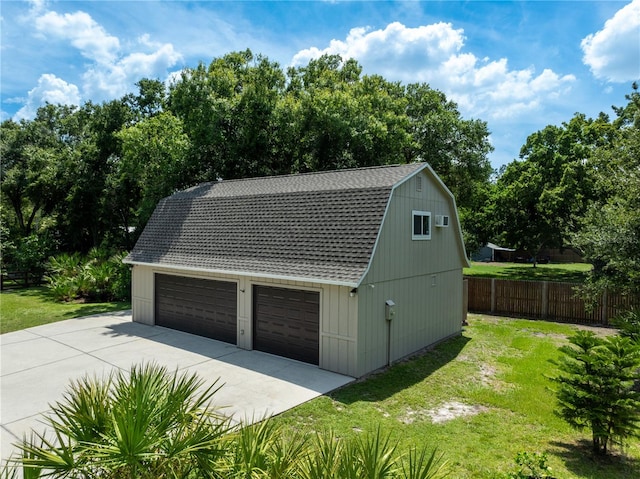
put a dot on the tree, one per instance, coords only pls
(347, 120)
(92, 174)
(244, 118)
(455, 148)
(150, 100)
(228, 110)
(478, 217)
(596, 388)
(609, 236)
(32, 152)
(154, 152)
(541, 198)
(85, 217)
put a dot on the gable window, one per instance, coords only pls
(421, 225)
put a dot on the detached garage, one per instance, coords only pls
(349, 270)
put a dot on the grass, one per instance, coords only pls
(499, 369)
(570, 272)
(25, 308)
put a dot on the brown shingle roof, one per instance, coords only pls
(312, 227)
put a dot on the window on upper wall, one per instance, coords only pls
(421, 225)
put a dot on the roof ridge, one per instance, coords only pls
(386, 176)
(311, 173)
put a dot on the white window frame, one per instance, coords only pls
(421, 214)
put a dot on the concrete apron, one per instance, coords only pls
(37, 365)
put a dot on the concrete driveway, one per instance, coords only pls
(38, 364)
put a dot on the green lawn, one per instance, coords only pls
(496, 370)
(570, 272)
(24, 308)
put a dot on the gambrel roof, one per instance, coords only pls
(319, 227)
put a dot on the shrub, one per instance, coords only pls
(262, 450)
(149, 423)
(369, 456)
(96, 277)
(143, 423)
(596, 388)
(64, 276)
(28, 255)
(629, 324)
(531, 466)
(120, 284)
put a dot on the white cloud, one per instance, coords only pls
(435, 54)
(432, 42)
(83, 32)
(50, 89)
(114, 66)
(37, 6)
(114, 80)
(613, 53)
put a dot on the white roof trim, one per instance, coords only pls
(243, 273)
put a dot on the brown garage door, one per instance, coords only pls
(199, 306)
(286, 322)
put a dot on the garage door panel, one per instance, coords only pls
(286, 322)
(199, 306)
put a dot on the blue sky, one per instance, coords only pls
(519, 66)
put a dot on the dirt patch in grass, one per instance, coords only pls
(487, 375)
(454, 409)
(446, 412)
(485, 372)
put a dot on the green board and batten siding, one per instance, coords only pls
(422, 277)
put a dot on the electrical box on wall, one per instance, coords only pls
(442, 221)
(389, 310)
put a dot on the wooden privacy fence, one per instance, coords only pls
(542, 300)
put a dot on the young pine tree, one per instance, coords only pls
(596, 387)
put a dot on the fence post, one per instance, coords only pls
(545, 299)
(465, 300)
(493, 295)
(604, 319)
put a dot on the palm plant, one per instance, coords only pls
(65, 264)
(371, 457)
(97, 278)
(375, 456)
(63, 275)
(422, 464)
(260, 449)
(146, 423)
(325, 459)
